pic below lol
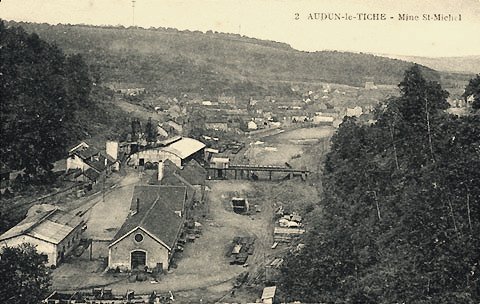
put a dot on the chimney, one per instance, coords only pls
(112, 149)
(160, 171)
(138, 204)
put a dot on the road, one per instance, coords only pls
(109, 211)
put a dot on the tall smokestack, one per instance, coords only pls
(160, 171)
(138, 204)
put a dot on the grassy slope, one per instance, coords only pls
(173, 62)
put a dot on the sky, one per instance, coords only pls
(277, 20)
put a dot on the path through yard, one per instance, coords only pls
(105, 215)
(203, 270)
(109, 213)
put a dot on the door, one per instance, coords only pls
(138, 259)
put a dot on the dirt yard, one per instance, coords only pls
(203, 271)
(104, 215)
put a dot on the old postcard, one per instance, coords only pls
(254, 151)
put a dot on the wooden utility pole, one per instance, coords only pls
(91, 249)
(133, 12)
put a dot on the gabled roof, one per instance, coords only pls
(184, 147)
(80, 145)
(100, 162)
(91, 174)
(49, 224)
(174, 179)
(76, 172)
(156, 213)
(194, 173)
(86, 153)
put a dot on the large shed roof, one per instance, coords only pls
(49, 225)
(185, 147)
(156, 214)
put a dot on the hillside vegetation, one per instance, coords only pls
(48, 101)
(401, 207)
(174, 62)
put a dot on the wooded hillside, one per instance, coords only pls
(172, 62)
(401, 208)
(48, 101)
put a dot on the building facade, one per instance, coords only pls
(148, 237)
(53, 232)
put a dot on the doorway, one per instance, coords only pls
(138, 259)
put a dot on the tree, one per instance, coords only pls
(400, 208)
(473, 89)
(40, 89)
(24, 278)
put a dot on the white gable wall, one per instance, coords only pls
(49, 249)
(155, 156)
(75, 162)
(120, 253)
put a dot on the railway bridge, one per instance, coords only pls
(256, 172)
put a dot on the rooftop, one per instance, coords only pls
(156, 213)
(185, 147)
(45, 222)
(269, 292)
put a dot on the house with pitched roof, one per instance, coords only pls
(149, 236)
(91, 162)
(192, 175)
(54, 232)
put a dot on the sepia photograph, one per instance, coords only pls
(239, 151)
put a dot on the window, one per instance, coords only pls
(138, 237)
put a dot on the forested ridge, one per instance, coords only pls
(171, 62)
(401, 204)
(49, 100)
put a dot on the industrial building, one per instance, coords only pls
(179, 152)
(54, 233)
(149, 236)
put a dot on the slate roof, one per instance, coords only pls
(174, 179)
(91, 174)
(48, 224)
(92, 157)
(194, 173)
(73, 172)
(156, 214)
(86, 152)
